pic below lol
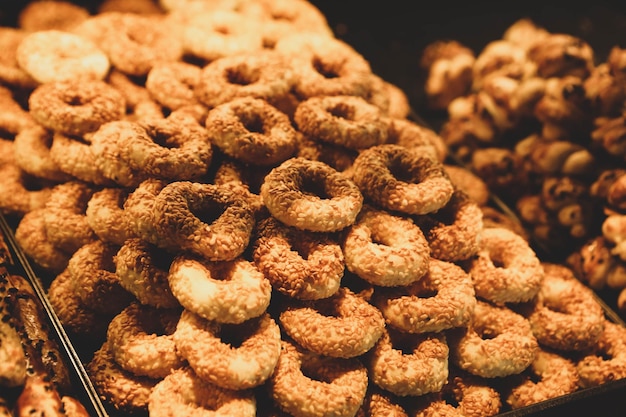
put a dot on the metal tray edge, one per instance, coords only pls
(75, 364)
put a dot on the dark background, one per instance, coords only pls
(392, 34)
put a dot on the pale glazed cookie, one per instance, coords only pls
(54, 55)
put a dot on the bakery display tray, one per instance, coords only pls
(391, 36)
(608, 397)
